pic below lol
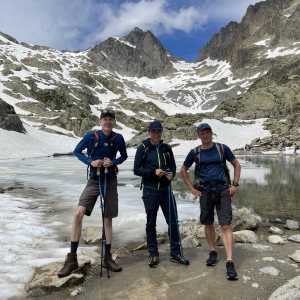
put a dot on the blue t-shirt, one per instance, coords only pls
(212, 166)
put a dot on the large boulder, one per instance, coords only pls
(245, 236)
(288, 291)
(245, 218)
(9, 120)
(294, 238)
(275, 239)
(295, 256)
(45, 279)
(292, 224)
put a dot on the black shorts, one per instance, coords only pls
(221, 201)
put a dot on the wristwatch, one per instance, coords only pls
(235, 184)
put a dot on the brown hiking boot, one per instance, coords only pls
(111, 264)
(70, 265)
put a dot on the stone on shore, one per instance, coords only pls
(294, 238)
(91, 234)
(295, 256)
(245, 218)
(245, 236)
(275, 230)
(288, 291)
(269, 270)
(45, 279)
(275, 239)
(292, 225)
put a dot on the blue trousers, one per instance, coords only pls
(154, 199)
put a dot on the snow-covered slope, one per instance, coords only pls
(63, 92)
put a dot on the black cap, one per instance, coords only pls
(155, 125)
(203, 126)
(107, 113)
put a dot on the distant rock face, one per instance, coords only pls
(137, 54)
(9, 120)
(266, 19)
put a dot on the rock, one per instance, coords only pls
(288, 291)
(275, 239)
(295, 256)
(121, 252)
(245, 236)
(245, 218)
(270, 271)
(92, 234)
(76, 292)
(255, 285)
(9, 120)
(292, 225)
(45, 278)
(294, 238)
(138, 54)
(161, 238)
(190, 242)
(275, 230)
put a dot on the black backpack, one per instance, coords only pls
(197, 159)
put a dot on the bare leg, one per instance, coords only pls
(108, 230)
(210, 236)
(228, 240)
(77, 223)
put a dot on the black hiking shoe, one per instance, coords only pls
(212, 258)
(110, 264)
(179, 259)
(153, 261)
(230, 271)
(70, 265)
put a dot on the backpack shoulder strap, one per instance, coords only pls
(97, 138)
(196, 152)
(220, 148)
(146, 148)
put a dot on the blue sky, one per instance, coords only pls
(182, 26)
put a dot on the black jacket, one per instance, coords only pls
(150, 157)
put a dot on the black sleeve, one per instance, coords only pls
(139, 169)
(172, 162)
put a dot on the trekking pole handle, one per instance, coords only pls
(106, 170)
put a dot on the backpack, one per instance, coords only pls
(93, 146)
(197, 159)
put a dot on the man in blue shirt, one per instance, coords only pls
(102, 147)
(212, 184)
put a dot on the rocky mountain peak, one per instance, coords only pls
(139, 54)
(275, 20)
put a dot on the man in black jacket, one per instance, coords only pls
(155, 163)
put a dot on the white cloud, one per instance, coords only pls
(79, 24)
(153, 15)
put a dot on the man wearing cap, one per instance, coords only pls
(102, 147)
(212, 184)
(154, 162)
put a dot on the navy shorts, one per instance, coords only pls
(219, 200)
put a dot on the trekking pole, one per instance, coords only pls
(102, 203)
(173, 201)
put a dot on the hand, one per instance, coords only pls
(196, 193)
(97, 163)
(159, 172)
(232, 190)
(107, 162)
(169, 177)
